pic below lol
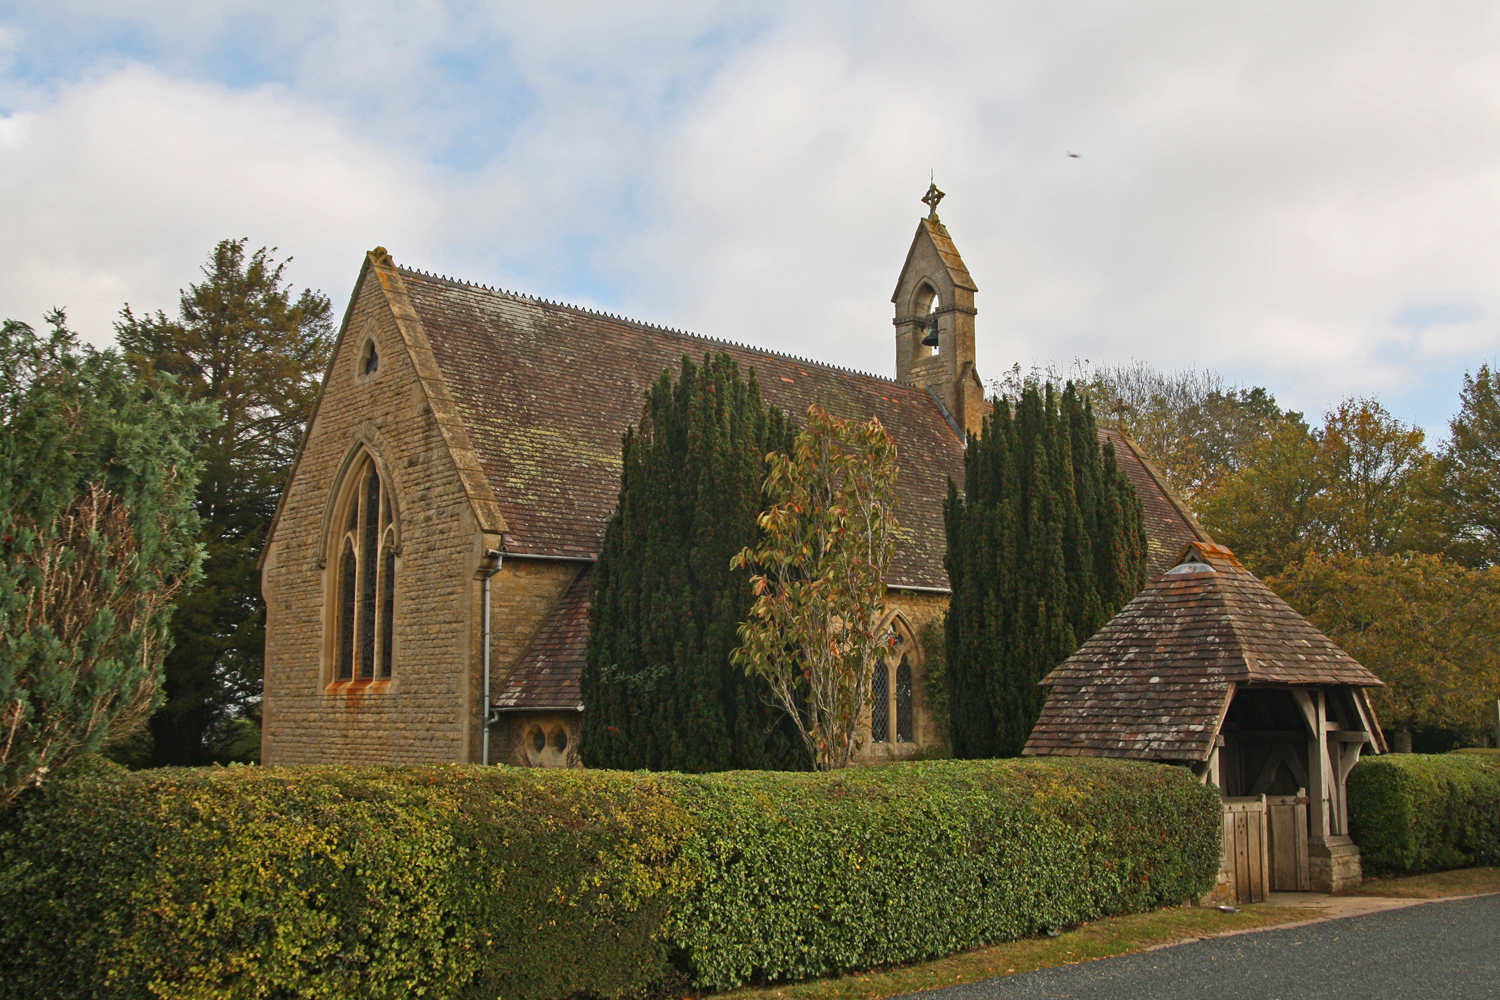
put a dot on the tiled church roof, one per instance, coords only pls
(546, 391)
(1154, 682)
(1169, 525)
(549, 671)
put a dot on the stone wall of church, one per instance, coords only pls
(422, 712)
(537, 739)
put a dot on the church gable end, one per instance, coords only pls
(370, 564)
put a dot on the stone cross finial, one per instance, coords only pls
(931, 199)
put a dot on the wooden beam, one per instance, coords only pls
(1320, 774)
(1267, 735)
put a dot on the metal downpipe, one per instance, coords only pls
(493, 560)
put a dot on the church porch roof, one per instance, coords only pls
(1155, 681)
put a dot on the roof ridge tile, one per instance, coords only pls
(654, 326)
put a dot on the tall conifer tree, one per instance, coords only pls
(1045, 545)
(665, 607)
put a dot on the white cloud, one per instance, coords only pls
(118, 190)
(1263, 191)
(1273, 190)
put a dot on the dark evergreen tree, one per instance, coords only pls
(244, 343)
(658, 686)
(1045, 545)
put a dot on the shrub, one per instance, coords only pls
(467, 882)
(1425, 812)
(336, 882)
(97, 538)
(806, 875)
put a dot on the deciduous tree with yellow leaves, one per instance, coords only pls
(819, 579)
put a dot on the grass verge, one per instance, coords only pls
(1101, 939)
(1437, 885)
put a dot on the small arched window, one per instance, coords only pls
(880, 703)
(893, 716)
(926, 303)
(366, 584)
(369, 359)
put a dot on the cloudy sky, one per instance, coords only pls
(1304, 196)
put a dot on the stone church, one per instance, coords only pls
(427, 574)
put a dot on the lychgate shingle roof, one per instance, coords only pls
(1155, 681)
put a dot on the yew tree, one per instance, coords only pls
(98, 535)
(830, 534)
(659, 688)
(1045, 544)
(1197, 428)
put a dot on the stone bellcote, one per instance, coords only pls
(936, 292)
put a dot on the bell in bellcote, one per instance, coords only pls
(931, 340)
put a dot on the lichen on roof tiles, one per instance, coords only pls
(546, 391)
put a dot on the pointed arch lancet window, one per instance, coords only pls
(904, 733)
(348, 584)
(365, 605)
(880, 703)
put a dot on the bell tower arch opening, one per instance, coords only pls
(934, 304)
(925, 306)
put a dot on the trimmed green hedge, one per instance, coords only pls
(471, 882)
(807, 875)
(1426, 812)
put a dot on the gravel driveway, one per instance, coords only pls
(1437, 950)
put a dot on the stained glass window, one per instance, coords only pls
(366, 582)
(348, 579)
(388, 604)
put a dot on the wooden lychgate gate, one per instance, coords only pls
(1286, 824)
(1247, 848)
